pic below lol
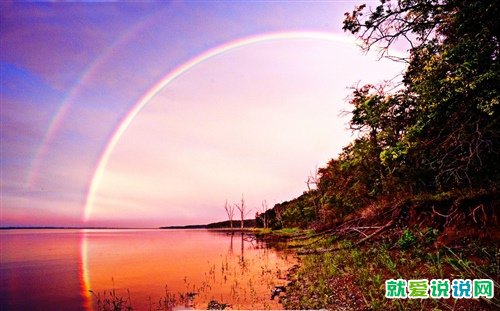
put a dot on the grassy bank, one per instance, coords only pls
(338, 275)
(336, 272)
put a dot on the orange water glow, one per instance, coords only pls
(234, 269)
(84, 276)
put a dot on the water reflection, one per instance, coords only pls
(194, 267)
(84, 275)
(39, 270)
(57, 269)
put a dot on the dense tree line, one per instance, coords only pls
(436, 132)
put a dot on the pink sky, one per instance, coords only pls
(254, 120)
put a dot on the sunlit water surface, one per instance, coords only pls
(77, 269)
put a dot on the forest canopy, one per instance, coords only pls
(436, 133)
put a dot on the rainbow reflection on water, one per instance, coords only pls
(231, 268)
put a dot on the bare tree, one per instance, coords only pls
(242, 209)
(279, 213)
(230, 213)
(313, 180)
(312, 188)
(264, 210)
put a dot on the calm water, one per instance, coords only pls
(56, 269)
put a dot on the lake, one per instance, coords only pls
(79, 269)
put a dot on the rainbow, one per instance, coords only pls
(174, 74)
(77, 89)
(85, 288)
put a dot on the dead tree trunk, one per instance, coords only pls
(230, 213)
(243, 212)
(264, 210)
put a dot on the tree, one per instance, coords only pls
(263, 214)
(278, 216)
(415, 21)
(230, 213)
(383, 119)
(438, 130)
(312, 188)
(243, 212)
(448, 136)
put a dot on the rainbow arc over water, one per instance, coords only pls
(176, 73)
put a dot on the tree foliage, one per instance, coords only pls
(439, 131)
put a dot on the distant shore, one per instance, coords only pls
(68, 228)
(248, 223)
(222, 225)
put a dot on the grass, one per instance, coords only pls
(353, 278)
(284, 232)
(249, 280)
(111, 301)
